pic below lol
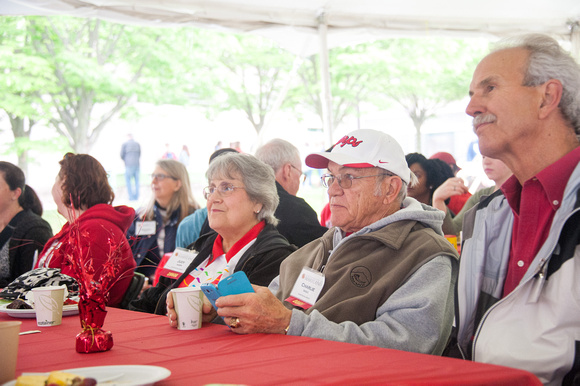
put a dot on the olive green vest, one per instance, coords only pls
(364, 270)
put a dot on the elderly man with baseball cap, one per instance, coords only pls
(383, 276)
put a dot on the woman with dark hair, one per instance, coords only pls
(23, 232)
(430, 173)
(95, 230)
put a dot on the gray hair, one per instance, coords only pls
(257, 177)
(277, 153)
(549, 61)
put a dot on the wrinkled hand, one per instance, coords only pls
(259, 312)
(452, 187)
(209, 313)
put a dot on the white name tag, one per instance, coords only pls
(180, 260)
(177, 263)
(307, 288)
(145, 228)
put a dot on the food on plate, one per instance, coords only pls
(55, 378)
(31, 380)
(60, 378)
(69, 301)
(19, 304)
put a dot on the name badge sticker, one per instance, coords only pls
(145, 228)
(178, 263)
(307, 288)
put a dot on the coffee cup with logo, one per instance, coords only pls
(188, 304)
(48, 302)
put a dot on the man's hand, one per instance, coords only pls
(209, 313)
(259, 312)
(451, 187)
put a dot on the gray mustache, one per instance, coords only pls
(483, 118)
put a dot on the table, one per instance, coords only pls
(214, 354)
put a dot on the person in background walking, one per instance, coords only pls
(131, 153)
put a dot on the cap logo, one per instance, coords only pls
(346, 140)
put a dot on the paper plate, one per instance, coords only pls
(118, 375)
(27, 313)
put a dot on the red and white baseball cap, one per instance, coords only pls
(365, 149)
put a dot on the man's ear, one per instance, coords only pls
(551, 96)
(285, 173)
(393, 186)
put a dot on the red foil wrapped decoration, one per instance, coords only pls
(93, 338)
(93, 288)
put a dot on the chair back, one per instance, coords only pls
(133, 290)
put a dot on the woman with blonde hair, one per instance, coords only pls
(153, 232)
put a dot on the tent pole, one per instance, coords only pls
(575, 39)
(326, 97)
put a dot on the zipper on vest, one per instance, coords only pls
(324, 262)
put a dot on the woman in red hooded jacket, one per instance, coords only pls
(83, 196)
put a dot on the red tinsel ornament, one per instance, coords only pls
(93, 288)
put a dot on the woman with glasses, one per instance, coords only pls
(153, 232)
(95, 230)
(241, 201)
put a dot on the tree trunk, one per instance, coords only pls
(21, 136)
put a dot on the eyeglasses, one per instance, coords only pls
(161, 177)
(224, 189)
(345, 181)
(302, 175)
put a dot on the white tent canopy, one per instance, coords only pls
(306, 27)
(346, 20)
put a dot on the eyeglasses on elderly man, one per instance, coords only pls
(345, 180)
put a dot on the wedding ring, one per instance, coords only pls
(235, 322)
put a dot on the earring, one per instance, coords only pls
(258, 211)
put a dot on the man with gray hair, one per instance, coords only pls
(519, 288)
(298, 221)
(383, 276)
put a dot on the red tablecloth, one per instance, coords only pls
(213, 354)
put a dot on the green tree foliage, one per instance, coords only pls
(251, 75)
(423, 75)
(76, 75)
(23, 79)
(352, 70)
(87, 71)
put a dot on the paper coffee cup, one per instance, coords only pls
(188, 304)
(48, 303)
(9, 351)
